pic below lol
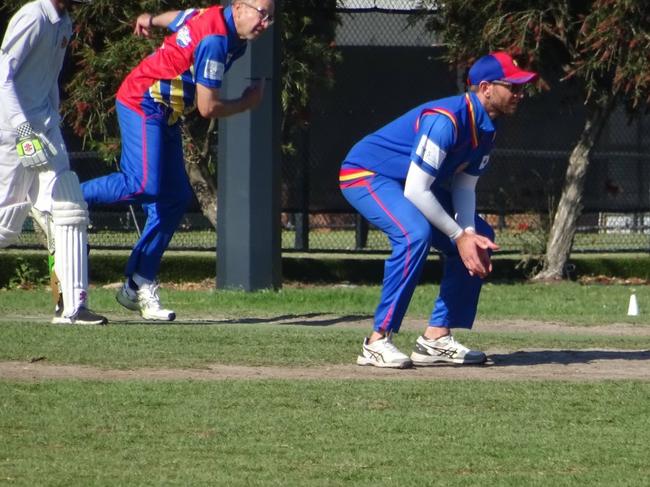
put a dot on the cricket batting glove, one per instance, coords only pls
(34, 150)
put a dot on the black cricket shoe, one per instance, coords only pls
(83, 316)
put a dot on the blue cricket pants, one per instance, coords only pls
(152, 174)
(382, 202)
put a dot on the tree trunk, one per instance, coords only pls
(200, 165)
(205, 189)
(569, 208)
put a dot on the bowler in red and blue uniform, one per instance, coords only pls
(187, 70)
(414, 179)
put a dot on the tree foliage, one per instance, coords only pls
(308, 56)
(103, 51)
(600, 46)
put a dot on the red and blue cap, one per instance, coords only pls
(498, 66)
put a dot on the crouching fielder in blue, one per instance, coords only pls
(415, 180)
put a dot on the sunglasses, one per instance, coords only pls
(514, 89)
(265, 16)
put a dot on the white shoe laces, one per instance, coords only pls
(452, 342)
(391, 346)
(149, 295)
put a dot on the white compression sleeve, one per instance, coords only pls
(463, 195)
(417, 190)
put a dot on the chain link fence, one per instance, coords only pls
(388, 67)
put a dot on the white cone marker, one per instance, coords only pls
(633, 307)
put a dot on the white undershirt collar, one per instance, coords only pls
(52, 14)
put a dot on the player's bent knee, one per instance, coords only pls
(69, 213)
(420, 236)
(12, 218)
(68, 205)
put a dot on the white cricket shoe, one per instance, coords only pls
(445, 349)
(128, 297)
(145, 300)
(382, 353)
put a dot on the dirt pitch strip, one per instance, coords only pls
(527, 364)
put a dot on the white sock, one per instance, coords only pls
(141, 281)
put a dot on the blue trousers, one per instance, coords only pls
(381, 201)
(152, 174)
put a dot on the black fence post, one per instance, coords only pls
(361, 228)
(302, 230)
(301, 241)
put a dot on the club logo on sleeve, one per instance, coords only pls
(430, 153)
(214, 70)
(183, 37)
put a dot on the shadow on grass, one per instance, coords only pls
(307, 319)
(565, 357)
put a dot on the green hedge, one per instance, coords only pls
(196, 266)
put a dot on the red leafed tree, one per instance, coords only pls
(103, 50)
(601, 45)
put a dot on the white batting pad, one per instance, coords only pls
(70, 216)
(12, 218)
(71, 265)
(68, 205)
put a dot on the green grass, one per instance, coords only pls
(314, 433)
(196, 346)
(187, 344)
(232, 327)
(564, 302)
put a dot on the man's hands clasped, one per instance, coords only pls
(474, 251)
(35, 151)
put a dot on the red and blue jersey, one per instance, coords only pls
(458, 125)
(201, 49)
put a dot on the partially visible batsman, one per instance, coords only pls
(35, 173)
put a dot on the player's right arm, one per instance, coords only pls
(433, 141)
(435, 136)
(211, 105)
(210, 65)
(147, 21)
